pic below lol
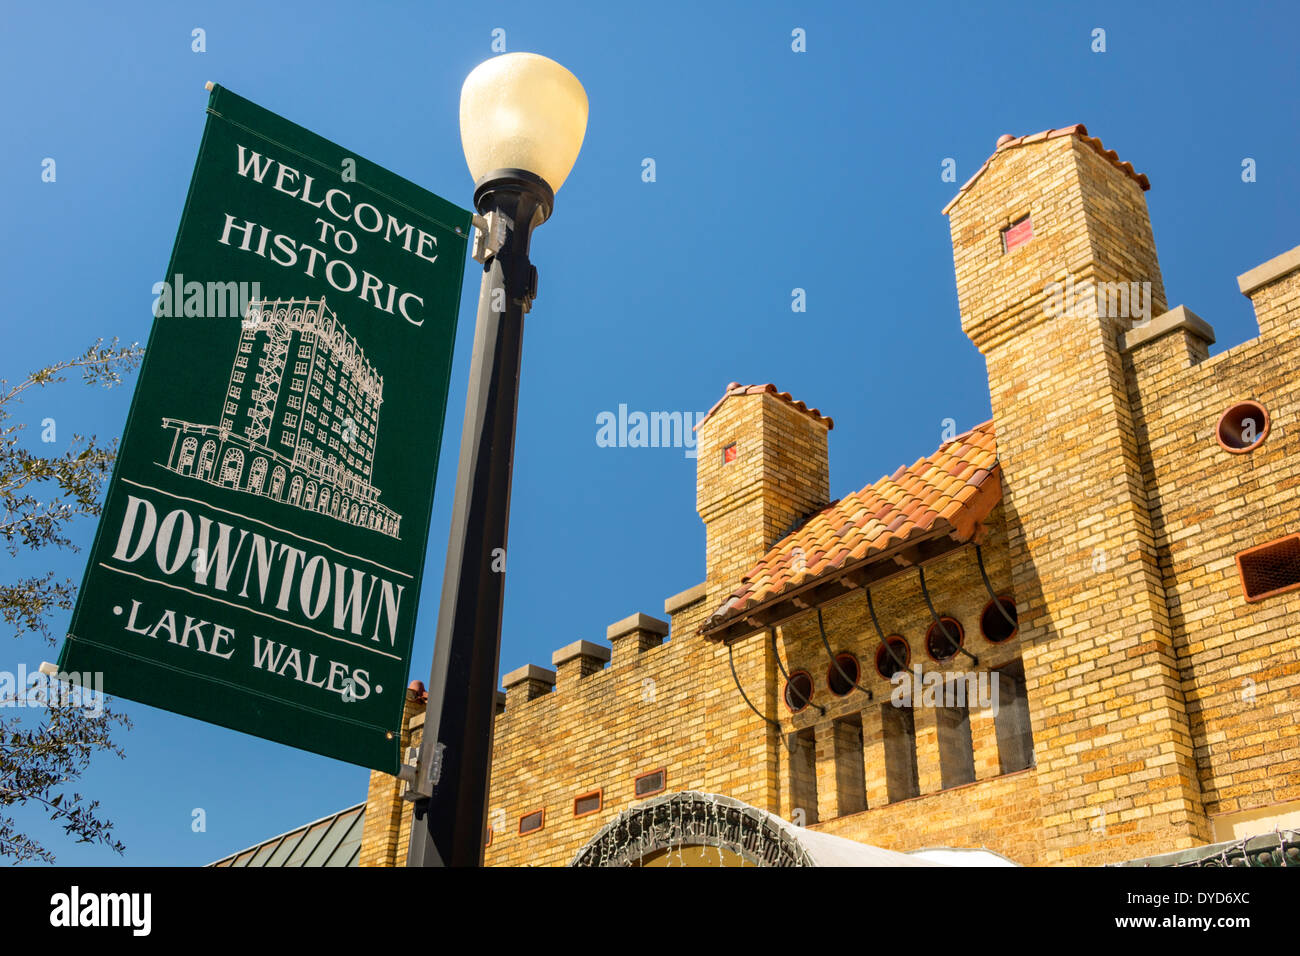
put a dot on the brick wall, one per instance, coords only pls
(1239, 661)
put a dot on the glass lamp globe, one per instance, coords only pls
(522, 111)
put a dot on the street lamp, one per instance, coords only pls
(522, 120)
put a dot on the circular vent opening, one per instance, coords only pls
(1243, 427)
(939, 640)
(798, 691)
(994, 624)
(893, 658)
(843, 678)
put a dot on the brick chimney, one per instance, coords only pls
(762, 469)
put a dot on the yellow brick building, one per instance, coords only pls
(1111, 561)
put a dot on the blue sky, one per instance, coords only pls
(775, 170)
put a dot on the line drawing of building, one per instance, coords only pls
(299, 418)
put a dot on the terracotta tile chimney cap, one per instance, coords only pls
(735, 388)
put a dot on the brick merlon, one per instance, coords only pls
(637, 622)
(1269, 272)
(686, 598)
(1179, 317)
(526, 673)
(580, 649)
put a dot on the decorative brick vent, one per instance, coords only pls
(1271, 568)
(798, 691)
(938, 639)
(656, 781)
(1243, 427)
(841, 683)
(994, 624)
(887, 664)
(587, 803)
(532, 822)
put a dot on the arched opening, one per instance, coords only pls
(186, 462)
(257, 476)
(695, 829)
(232, 466)
(207, 458)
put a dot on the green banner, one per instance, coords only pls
(259, 558)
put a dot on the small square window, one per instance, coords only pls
(656, 781)
(532, 822)
(1017, 234)
(729, 454)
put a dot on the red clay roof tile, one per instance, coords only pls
(881, 516)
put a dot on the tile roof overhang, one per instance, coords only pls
(1007, 143)
(915, 515)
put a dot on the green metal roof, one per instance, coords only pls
(330, 841)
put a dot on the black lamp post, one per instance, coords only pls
(530, 112)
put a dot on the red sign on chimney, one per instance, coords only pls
(729, 454)
(1017, 234)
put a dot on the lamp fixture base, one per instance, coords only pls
(519, 182)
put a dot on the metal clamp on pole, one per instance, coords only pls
(489, 235)
(421, 774)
